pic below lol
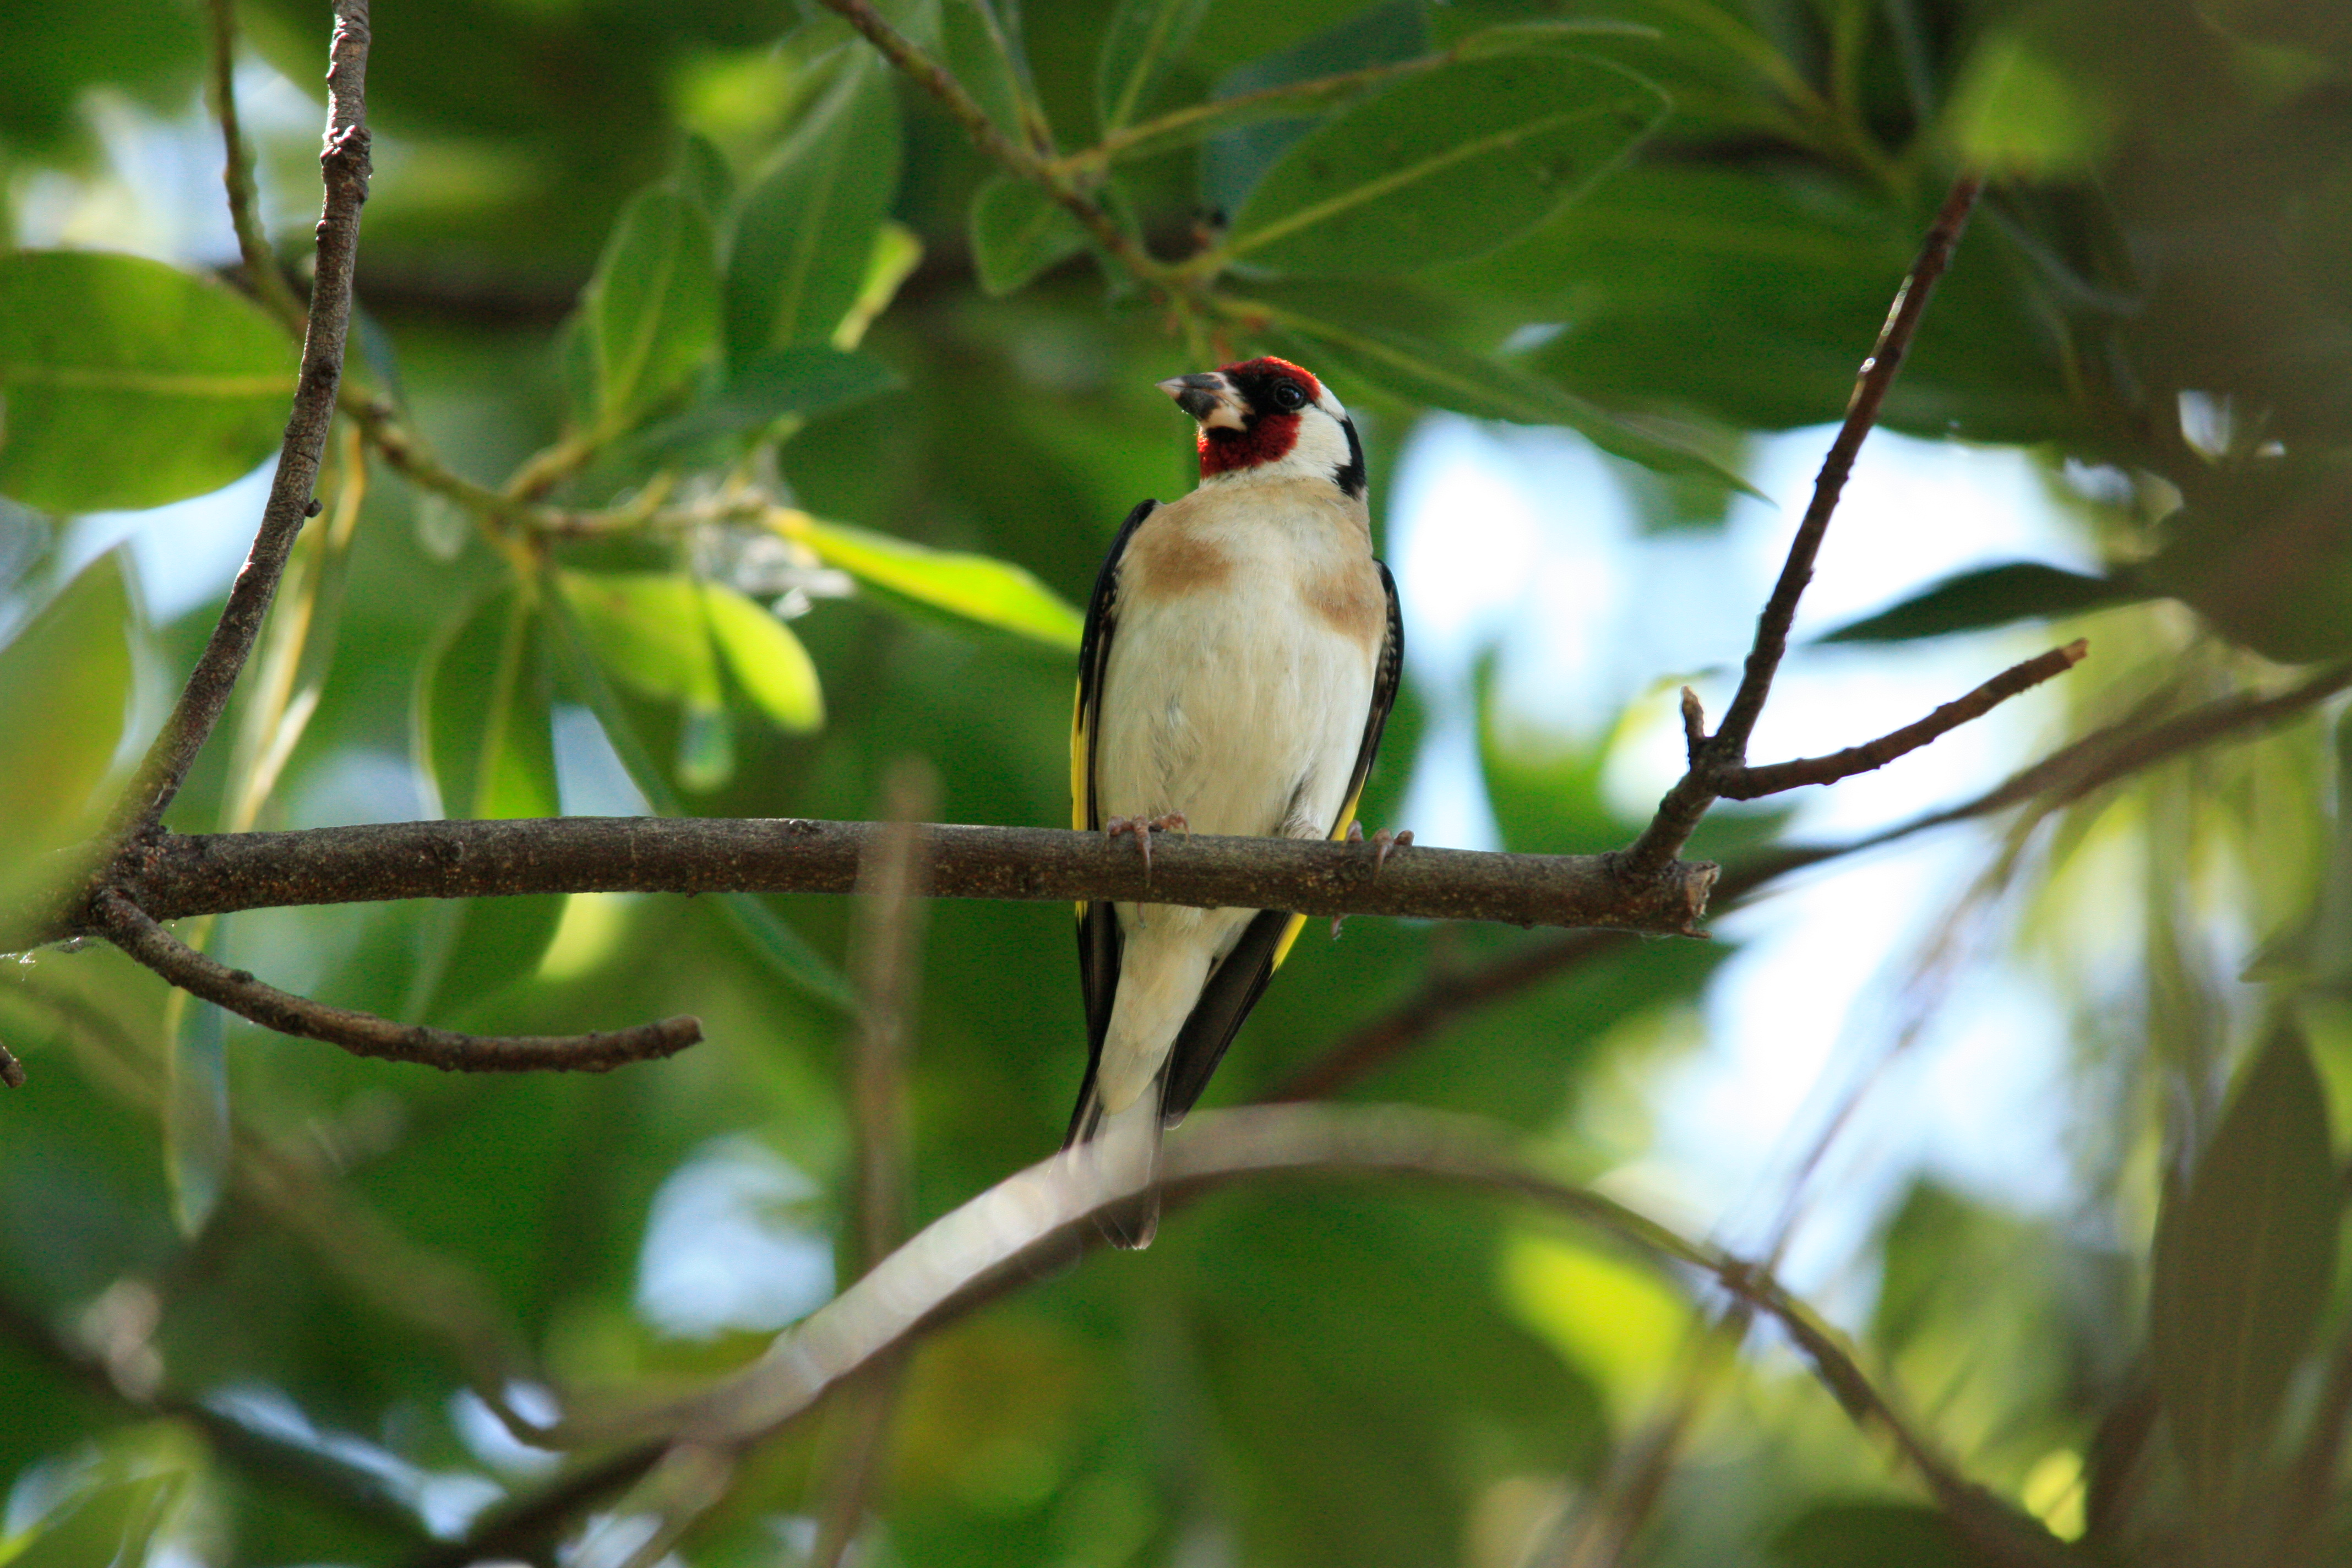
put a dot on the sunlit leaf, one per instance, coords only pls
(1422, 369)
(766, 659)
(114, 1522)
(1144, 39)
(2246, 1254)
(896, 253)
(806, 227)
(975, 587)
(1989, 597)
(1017, 232)
(125, 383)
(652, 309)
(652, 631)
(1443, 167)
(2017, 112)
(65, 677)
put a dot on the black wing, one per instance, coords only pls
(1239, 977)
(1098, 938)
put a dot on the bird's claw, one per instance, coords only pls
(1384, 843)
(1143, 828)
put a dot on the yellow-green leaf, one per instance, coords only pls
(975, 587)
(126, 383)
(766, 659)
(652, 309)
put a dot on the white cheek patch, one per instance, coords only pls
(1225, 415)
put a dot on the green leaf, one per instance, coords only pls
(1440, 376)
(111, 1524)
(1259, 105)
(196, 1114)
(764, 933)
(125, 383)
(705, 177)
(652, 631)
(1445, 166)
(1870, 1535)
(2245, 1253)
(981, 55)
(485, 746)
(1144, 38)
(1989, 597)
(2264, 552)
(975, 587)
(896, 253)
(766, 659)
(778, 383)
(65, 677)
(2017, 114)
(652, 309)
(806, 228)
(1017, 232)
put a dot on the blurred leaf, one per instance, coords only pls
(2264, 553)
(896, 253)
(975, 587)
(807, 226)
(125, 383)
(705, 177)
(486, 748)
(1989, 597)
(66, 677)
(767, 660)
(652, 631)
(1872, 1535)
(196, 1114)
(2016, 114)
(1252, 137)
(652, 309)
(1446, 166)
(979, 56)
(2245, 1253)
(1424, 370)
(109, 1526)
(775, 383)
(1017, 232)
(1144, 39)
(780, 948)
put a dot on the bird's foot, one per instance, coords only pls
(1384, 843)
(1143, 828)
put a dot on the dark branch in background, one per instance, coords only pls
(129, 927)
(1724, 754)
(236, 174)
(207, 694)
(11, 1071)
(178, 875)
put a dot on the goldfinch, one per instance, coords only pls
(1240, 657)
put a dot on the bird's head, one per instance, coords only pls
(1266, 419)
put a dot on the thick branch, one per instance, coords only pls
(1679, 813)
(178, 875)
(207, 694)
(362, 1034)
(1776, 778)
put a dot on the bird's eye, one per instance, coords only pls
(1289, 394)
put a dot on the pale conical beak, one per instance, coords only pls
(1207, 396)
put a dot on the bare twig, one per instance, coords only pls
(1754, 784)
(237, 176)
(11, 1071)
(345, 163)
(1726, 751)
(131, 929)
(180, 875)
(1067, 193)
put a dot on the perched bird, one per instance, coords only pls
(1240, 658)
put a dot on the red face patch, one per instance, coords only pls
(1268, 439)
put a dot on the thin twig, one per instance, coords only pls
(2065, 776)
(131, 929)
(237, 176)
(11, 1071)
(1726, 751)
(1755, 784)
(888, 961)
(176, 876)
(935, 79)
(345, 164)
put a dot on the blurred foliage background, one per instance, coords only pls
(726, 427)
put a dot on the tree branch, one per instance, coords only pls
(178, 875)
(131, 929)
(236, 174)
(1776, 778)
(207, 694)
(1725, 752)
